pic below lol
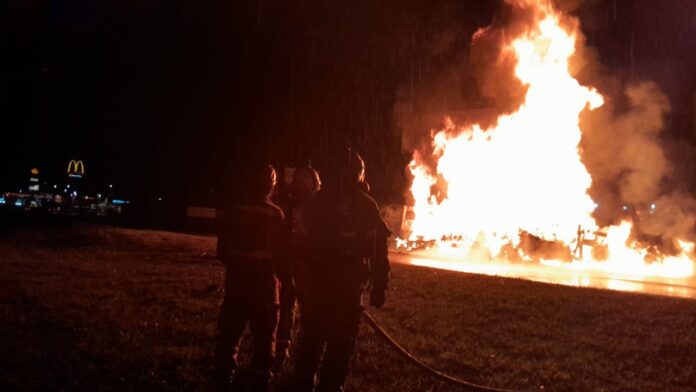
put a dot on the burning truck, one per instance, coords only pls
(519, 188)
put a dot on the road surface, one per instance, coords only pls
(685, 288)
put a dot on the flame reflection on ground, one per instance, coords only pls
(685, 288)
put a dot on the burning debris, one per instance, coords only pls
(549, 176)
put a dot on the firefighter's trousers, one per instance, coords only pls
(251, 298)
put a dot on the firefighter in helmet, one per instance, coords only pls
(251, 245)
(348, 248)
(298, 205)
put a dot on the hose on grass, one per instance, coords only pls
(468, 386)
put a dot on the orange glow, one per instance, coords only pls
(524, 174)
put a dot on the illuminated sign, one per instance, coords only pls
(34, 188)
(35, 171)
(19, 203)
(2, 200)
(119, 201)
(76, 169)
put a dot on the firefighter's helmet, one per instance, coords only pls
(306, 180)
(262, 179)
(351, 166)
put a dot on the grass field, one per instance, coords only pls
(87, 307)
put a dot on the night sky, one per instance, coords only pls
(166, 97)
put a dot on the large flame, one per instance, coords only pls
(523, 177)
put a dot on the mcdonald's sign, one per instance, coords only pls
(76, 169)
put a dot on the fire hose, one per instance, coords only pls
(468, 386)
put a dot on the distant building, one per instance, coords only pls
(34, 183)
(70, 194)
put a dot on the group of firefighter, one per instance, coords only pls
(317, 245)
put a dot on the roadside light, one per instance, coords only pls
(68, 186)
(159, 198)
(55, 186)
(111, 186)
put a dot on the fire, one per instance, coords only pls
(519, 188)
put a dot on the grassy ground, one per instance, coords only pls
(86, 307)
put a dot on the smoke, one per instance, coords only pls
(632, 177)
(623, 148)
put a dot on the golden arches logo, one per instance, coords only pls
(76, 167)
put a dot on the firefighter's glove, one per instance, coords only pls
(282, 353)
(377, 296)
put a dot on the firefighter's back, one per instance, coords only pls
(248, 246)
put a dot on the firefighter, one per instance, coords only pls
(251, 245)
(348, 248)
(297, 204)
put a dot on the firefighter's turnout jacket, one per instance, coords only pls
(348, 247)
(252, 245)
